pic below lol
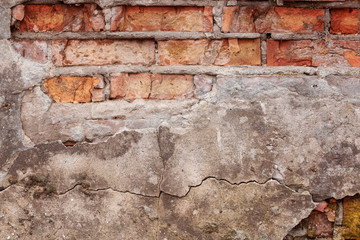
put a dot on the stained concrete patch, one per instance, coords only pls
(130, 161)
(78, 214)
(214, 210)
(15, 76)
(226, 141)
(219, 210)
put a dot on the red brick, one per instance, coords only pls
(61, 17)
(273, 19)
(102, 52)
(206, 52)
(34, 50)
(130, 86)
(319, 225)
(71, 89)
(239, 52)
(353, 58)
(321, 206)
(337, 53)
(17, 13)
(153, 86)
(347, 50)
(345, 21)
(181, 19)
(172, 86)
(182, 52)
(298, 53)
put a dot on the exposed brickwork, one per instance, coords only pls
(153, 86)
(199, 50)
(61, 17)
(73, 89)
(313, 53)
(102, 52)
(275, 19)
(181, 19)
(35, 50)
(319, 225)
(205, 52)
(345, 21)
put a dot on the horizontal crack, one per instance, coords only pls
(173, 195)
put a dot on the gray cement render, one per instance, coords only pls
(249, 158)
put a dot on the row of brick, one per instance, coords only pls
(75, 89)
(223, 52)
(237, 19)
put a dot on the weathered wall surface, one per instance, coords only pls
(179, 119)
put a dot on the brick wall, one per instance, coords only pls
(160, 38)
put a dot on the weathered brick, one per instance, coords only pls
(345, 21)
(130, 86)
(313, 53)
(330, 211)
(182, 52)
(61, 17)
(351, 219)
(98, 93)
(153, 86)
(348, 51)
(203, 84)
(71, 89)
(102, 52)
(319, 225)
(298, 53)
(181, 19)
(273, 19)
(35, 50)
(17, 13)
(206, 52)
(172, 86)
(321, 206)
(239, 52)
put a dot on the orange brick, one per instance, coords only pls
(102, 52)
(35, 50)
(274, 19)
(350, 50)
(181, 19)
(338, 53)
(182, 52)
(239, 52)
(297, 53)
(172, 86)
(71, 89)
(345, 21)
(206, 52)
(319, 225)
(154, 86)
(61, 17)
(130, 86)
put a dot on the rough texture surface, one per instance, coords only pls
(179, 120)
(277, 20)
(60, 17)
(180, 19)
